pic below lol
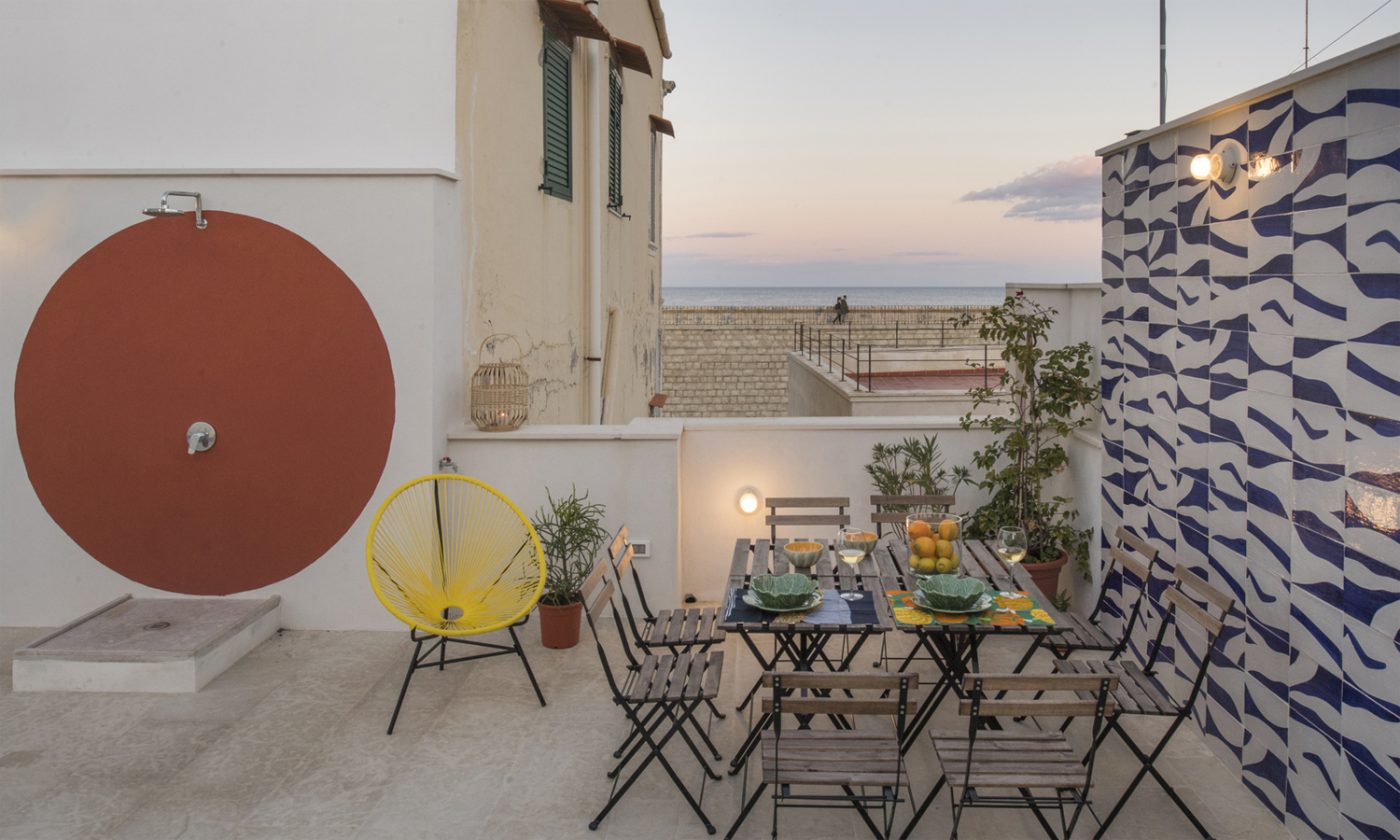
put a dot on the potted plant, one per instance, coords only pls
(914, 466)
(571, 532)
(1045, 394)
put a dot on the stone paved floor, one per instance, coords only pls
(290, 744)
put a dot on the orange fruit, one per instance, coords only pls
(924, 546)
(919, 528)
(948, 530)
(942, 548)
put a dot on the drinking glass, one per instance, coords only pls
(1011, 548)
(851, 552)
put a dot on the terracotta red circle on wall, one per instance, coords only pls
(243, 325)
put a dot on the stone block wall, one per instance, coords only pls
(1251, 422)
(732, 361)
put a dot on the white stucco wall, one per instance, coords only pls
(258, 84)
(404, 263)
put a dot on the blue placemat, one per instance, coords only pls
(832, 610)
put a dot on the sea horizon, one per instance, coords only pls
(856, 296)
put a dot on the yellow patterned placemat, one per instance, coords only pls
(1026, 611)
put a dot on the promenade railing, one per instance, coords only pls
(891, 354)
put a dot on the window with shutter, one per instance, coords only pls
(651, 203)
(558, 147)
(614, 140)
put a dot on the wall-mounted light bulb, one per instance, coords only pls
(1205, 166)
(748, 500)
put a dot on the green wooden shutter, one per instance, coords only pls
(558, 147)
(615, 140)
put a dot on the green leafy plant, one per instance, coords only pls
(912, 466)
(1044, 396)
(571, 531)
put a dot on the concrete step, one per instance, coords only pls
(165, 645)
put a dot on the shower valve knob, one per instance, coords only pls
(200, 437)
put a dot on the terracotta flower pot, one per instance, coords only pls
(559, 625)
(1047, 575)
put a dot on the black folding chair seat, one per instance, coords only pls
(827, 757)
(1138, 692)
(1081, 635)
(1010, 760)
(669, 678)
(684, 628)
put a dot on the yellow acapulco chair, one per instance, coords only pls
(453, 557)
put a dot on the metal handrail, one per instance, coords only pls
(856, 360)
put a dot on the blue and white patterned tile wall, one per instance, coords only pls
(1251, 421)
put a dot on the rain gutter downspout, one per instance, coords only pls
(597, 78)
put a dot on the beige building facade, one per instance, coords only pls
(573, 275)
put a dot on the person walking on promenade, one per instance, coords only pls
(842, 309)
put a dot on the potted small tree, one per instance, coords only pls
(571, 532)
(1047, 394)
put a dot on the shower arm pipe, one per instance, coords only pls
(596, 97)
(199, 221)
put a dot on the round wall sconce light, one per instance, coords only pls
(1220, 166)
(748, 500)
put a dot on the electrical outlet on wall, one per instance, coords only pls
(641, 547)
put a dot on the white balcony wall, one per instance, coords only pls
(200, 84)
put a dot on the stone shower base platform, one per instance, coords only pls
(167, 645)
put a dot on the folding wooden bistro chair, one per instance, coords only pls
(1042, 768)
(1140, 693)
(845, 758)
(660, 697)
(1134, 558)
(692, 628)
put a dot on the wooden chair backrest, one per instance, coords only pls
(893, 517)
(1186, 580)
(1140, 562)
(1041, 683)
(845, 681)
(620, 552)
(774, 520)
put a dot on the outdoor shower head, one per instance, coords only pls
(166, 210)
(163, 210)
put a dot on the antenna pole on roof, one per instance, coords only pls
(1162, 62)
(1305, 33)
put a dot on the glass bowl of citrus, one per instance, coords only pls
(935, 543)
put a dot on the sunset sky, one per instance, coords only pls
(885, 142)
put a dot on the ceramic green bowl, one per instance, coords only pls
(951, 592)
(782, 591)
(804, 555)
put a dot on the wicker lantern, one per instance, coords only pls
(500, 391)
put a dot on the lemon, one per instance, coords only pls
(948, 530)
(946, 565)
(942, 548)
(925, 565)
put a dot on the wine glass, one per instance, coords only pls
(1011, 548)
(850, 547)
